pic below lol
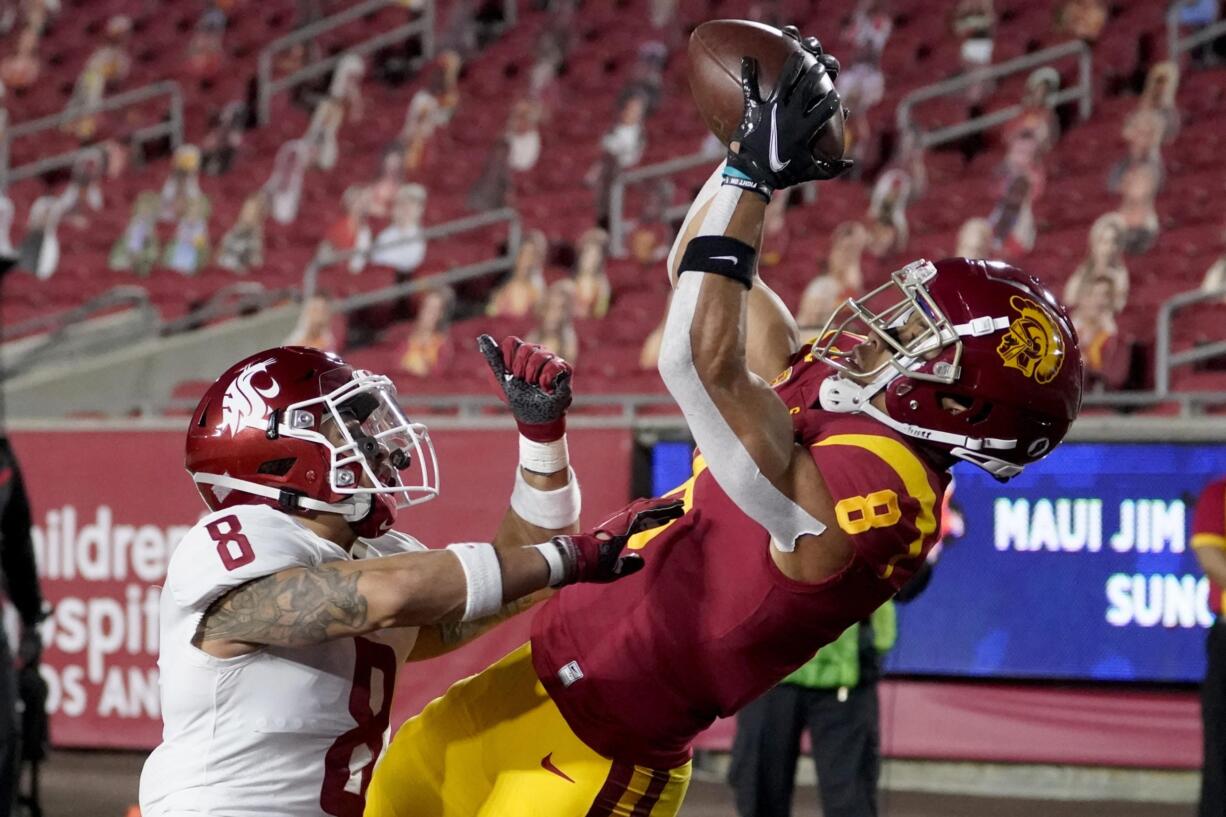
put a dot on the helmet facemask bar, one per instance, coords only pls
(884, 316)
(375, 436)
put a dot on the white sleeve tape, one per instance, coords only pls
(553, 557)
(483, 573)
(544, 458)
(723, 205)
(552, 510)
(729, 462)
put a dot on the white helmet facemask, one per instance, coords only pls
(364, 426)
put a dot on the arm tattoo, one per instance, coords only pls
(295, 608)
(452, 633)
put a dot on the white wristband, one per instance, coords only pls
(552, 510)
(543, 458)
(553, 557)
(483, 574)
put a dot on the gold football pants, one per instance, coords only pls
(495, 745)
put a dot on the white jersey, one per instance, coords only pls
(293, 732)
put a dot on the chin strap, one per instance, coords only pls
(353, 511)
(843, 396)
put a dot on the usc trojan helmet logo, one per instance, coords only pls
(243, 406)
(1033, 345)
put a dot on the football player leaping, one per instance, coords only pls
(287, 610)
(816, 495)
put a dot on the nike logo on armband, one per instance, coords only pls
(547, 765)
(731, 258)
(773, 155)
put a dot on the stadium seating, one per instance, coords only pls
(556, 201)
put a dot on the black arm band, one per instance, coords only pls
(720, 255)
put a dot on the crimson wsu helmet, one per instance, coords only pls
(993, 339)
(300, 429)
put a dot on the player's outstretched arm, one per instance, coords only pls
(772, 336)
(742, 427)
(299, 607)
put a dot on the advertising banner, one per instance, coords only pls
(1079, 569)
(110, 506)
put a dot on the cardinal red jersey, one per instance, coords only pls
(1209, 530)
(639, 667)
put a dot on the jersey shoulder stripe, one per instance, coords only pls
(1208, 540)
(914, 476)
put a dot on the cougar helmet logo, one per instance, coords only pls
(1032, 345)
(243, 405)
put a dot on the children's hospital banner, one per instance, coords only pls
(110, 506)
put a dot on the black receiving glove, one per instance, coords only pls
(811, 45)
(776, 134)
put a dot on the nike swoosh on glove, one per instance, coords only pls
(776, 135)
(535, 385)
(596, 554)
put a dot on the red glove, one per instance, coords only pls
(535, 384)
(596, 554)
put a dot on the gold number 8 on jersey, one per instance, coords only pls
(856, 514)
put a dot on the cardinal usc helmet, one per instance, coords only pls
(985, 362)
(301, 430)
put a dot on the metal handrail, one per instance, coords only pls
(68, 332)
(267, 86)
(172, 127)
(129, 295)
(310, 276)
(618, 223)
(227, 302)
(1177, 45)
(452, 276)
(1082, 91)
(1164, 359)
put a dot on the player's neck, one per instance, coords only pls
(332, 527)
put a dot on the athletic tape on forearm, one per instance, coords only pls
(727, 458)
(544, 458)
(552, 510)
(483, 575)
(720, 213)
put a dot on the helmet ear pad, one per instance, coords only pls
(959, 410)
(917, 401)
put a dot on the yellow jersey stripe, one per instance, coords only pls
(686, 491)
(1208, 540)
(911, 471)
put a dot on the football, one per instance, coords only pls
(715, 53)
